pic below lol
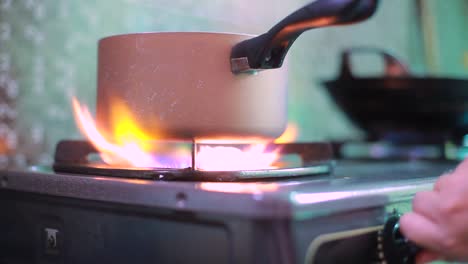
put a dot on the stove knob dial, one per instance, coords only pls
(393, 246)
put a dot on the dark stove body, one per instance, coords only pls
(60, 218)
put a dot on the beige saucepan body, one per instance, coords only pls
(180, 84)
(188, 85)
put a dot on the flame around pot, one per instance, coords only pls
(124, 149)
(128, 145)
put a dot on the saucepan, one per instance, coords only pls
(210, 85)
(399, 101)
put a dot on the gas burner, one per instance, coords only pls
(316, 159)
(386, 150)
(411, 137)
(403, 145)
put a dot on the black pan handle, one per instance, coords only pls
(394, 67)
(268, 50)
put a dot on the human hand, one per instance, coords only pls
(439, 220)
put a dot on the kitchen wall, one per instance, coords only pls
(48, 54)
(445, 36)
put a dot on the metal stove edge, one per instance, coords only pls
(298, 198)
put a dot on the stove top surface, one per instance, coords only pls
(364, 183)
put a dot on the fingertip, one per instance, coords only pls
(426, 203)
(462, 167)
(444, 180)
(421, 231)
(405, 222)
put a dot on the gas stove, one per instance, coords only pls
(325, 211)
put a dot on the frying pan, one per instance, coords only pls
(209, 85)
(399, 102)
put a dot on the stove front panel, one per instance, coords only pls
(42, 229)
(47, 229)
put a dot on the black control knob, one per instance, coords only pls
(396, 248)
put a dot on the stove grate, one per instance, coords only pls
(72, 156)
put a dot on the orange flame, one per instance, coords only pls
(289, 135)
(125, 153)
(128, 145)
